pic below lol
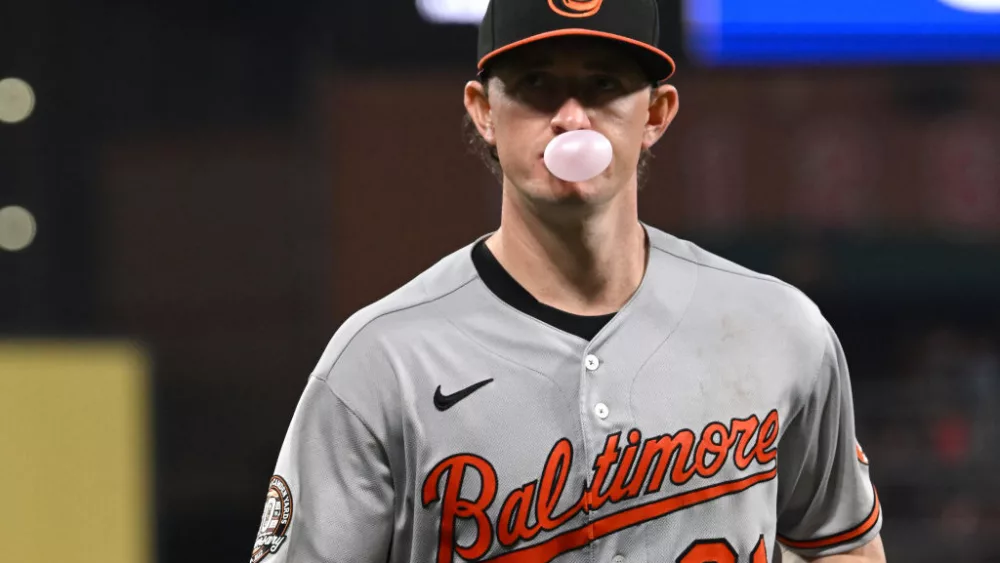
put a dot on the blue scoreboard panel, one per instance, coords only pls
(748, 32)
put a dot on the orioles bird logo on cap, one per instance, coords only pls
(575, 8)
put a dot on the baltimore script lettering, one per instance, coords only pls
(618, 474)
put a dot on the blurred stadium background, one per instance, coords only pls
(195, 194)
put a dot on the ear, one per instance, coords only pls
(663, 105)
(477, 104)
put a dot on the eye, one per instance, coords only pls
(534, 80)
(606, 83)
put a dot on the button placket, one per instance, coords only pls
(591, 362)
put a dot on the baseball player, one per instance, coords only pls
(576, 386)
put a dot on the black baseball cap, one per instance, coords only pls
(635, 24)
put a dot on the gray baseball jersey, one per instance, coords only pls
(710, 418)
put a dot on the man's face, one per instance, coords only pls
(544, 89)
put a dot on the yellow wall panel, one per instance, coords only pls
(75, 448)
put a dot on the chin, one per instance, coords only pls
(555, 193)
(545, 190)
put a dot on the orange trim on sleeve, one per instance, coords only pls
(861, 454)
(843, 537)
(579, 31)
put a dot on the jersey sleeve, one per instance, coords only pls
(826, 501)
(331, 498)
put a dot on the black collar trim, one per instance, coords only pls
(504, 286)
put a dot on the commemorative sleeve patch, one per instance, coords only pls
(275, 520)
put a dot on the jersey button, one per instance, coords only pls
(601, 410)
(592, 362)
(618, 559)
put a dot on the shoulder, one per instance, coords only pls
(360, 364)
(778, 308)
(716, 273)
(396, 315)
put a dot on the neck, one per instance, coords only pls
(585, 261)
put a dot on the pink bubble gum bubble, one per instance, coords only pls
(577, 156)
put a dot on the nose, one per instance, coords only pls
(571, 116)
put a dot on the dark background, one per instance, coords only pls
(226, 182)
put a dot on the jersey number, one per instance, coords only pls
(720, 551)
